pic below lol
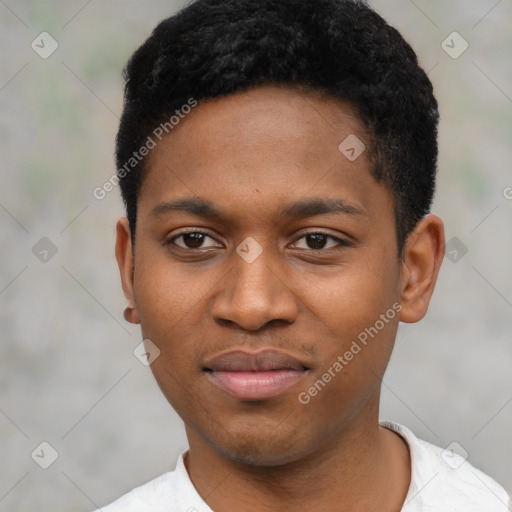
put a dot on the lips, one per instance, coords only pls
(264, 360)
(255, 376)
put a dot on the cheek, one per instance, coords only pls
(352, 299)
(356, 348)
(167, 293)
(357, 311)
(168, 317)
(180, 385)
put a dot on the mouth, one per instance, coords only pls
(255, 376)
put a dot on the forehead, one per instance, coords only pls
(315, 122)
(262, 147)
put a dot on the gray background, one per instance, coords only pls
(68, 375)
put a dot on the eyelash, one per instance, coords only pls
(340, 242)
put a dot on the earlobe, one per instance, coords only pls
(124, 257)
(423, 255)
(131, 315)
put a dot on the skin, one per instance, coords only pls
(250, 154)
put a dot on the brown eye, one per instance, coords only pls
(193, 240)
(318, 241)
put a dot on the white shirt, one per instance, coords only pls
(441, 481)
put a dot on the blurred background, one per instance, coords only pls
(68, 375)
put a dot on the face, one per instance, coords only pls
(258, 242)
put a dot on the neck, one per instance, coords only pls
(364, 467)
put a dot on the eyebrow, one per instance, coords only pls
(198, 207)
(318, 206)
(299, 209)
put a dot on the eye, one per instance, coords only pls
(192, 240)
(317, 241)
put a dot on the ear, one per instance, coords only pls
(124, 257)
(422, 258)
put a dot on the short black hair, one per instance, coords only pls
(343, 48)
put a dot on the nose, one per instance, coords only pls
(254, 294)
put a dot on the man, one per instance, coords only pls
(277, 160)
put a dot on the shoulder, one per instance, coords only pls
(152, 496)
(171, 492)
(443, 480)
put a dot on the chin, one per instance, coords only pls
(252, 455)
(260, 449)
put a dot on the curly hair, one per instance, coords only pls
(343, 48)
